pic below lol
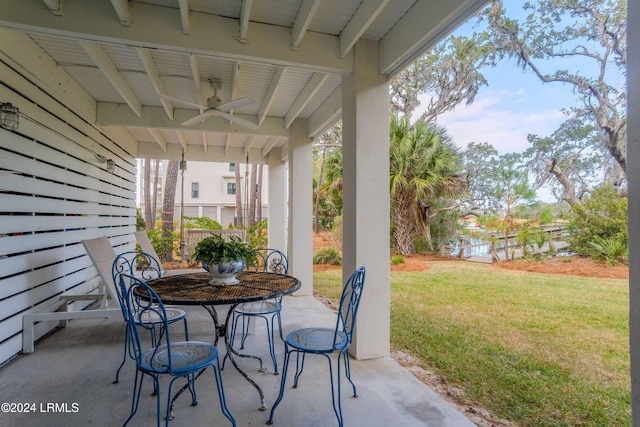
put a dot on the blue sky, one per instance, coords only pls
(514, 104)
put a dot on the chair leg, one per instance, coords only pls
(272, 338)
(135, 398)
(246, 322)
(186, 329)
(347, 371)
(191, 383)
(335, 397)
(283, 381)
(234, 325)
(221, 396)
(299, 367)
(124, 355)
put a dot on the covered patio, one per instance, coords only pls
(77, 364)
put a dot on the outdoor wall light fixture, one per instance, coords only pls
(9, 116)
(111, 166)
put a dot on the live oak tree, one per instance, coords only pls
(479, 163)
(448, 74)
(580, 44)
(574, 157)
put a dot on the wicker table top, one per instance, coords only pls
(195, 289)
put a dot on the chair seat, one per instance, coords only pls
(258, 307)
(317, 340)
(173, 314)
(186, 356)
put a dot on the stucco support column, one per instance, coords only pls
(300, 238)
(365, 148)
(633, 177)
(277, 202)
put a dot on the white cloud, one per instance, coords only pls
(501, 119)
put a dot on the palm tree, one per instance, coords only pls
(423, 169)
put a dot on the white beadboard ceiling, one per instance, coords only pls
(288, 56)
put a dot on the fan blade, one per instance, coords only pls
(236, 103)
(182, 101)
(200, 118)
(238, 120)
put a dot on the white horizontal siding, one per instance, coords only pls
(54, 193)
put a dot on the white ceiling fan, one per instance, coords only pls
(215, 107)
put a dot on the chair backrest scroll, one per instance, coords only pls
(349, 303)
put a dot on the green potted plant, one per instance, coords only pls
(223, 259)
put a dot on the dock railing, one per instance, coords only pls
(471, 246)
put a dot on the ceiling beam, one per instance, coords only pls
(184, 16)
(152, 28)
(326, 115)
(205, 141)
(111, 114)
(122, 10)
(309, 91)
(367, 12)
(408, 39)
(236, 155)
(197, 81)
(227, 144)
(305, 15)
(154, 75)
(182, 139)
(55, 6)
(244, 20)
(270, 95)
(269, 146)
(249, 145)
(162, 142)
(102, 60)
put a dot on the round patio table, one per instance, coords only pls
(195, 289)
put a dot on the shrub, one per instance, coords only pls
(329, 256)
(164, 245)
(203, 222)
(257, 234)
(601, 216)
(611, 250)
(397, 259)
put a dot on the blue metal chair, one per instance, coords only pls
(325, 341)
(188, 359)
(145, 267)
(274, 261)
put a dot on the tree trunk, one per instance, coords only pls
(252, 195)
(259, 194)
(239, 216)
(402, 223)
(318, 185)
(569, 193)
(168, 203)
(146, 192)
(154, 195)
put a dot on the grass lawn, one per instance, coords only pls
(536, 349)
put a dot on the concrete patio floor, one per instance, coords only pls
(74, 368)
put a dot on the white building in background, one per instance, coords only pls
(210, 191)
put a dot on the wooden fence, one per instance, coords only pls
(193, 236)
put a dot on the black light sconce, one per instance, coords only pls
(9, 116)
